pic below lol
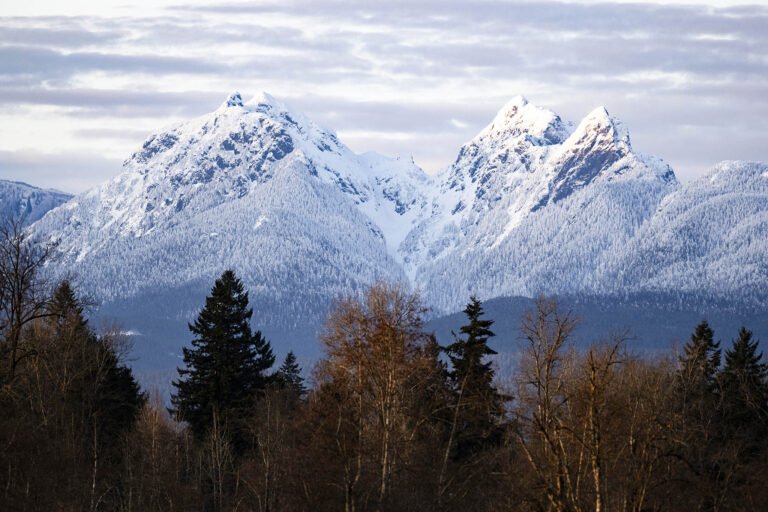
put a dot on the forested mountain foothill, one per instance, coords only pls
(387, 420)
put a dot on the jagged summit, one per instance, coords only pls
(512, 107)
(237, 151)
(524, 162)
(263, 98)
(233, 100)
(599, 112)
(519, 119)
(600, 122)
(529, 144)
(265, 105)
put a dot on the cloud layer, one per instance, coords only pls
(79, 93)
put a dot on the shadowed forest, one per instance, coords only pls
(387, 419)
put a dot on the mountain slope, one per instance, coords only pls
(707, 239)
(19, 200)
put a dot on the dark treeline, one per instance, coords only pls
(389, 419)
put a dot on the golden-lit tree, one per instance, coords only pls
(378, 357)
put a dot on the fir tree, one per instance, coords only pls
(744, 373)
(744, 385)
(289, 377)
(700, 361)
(65, 306)
(479, 406)
(699, 405)
(225, 368)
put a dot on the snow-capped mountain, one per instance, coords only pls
(532, 204)
(254, 187)
(28, 203)
(229, 155)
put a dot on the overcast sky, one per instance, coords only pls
(81, 86)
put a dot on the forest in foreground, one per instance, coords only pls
(387, 419)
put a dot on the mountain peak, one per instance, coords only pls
(518, 117)
(599, 113)
(233, 100)
(512, 106)
(265, 99)
(265, 103)
(599, 121)
(261, 102)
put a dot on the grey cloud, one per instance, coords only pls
(44, 62)
(412, 118)
(177, 32)
(68, 172)
(481, 15)
(99, 102)
(128, 134)
(58, 37)
(505, 38)
(574, 55)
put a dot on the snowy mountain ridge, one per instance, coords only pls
(709, 235)
(532, 204)
(20, 200)
(200, 164)
(505, 189)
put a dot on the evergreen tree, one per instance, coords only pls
(700, 362)
(699, 405)
(744, 373)
(225, 368)
(744, 385)
(479, 405)
(289, 377)
(65, 306)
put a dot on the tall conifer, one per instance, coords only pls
(225, 368)
(699, 405)
(479, 404)
(700, 362)
(289, 376)
(744, 385)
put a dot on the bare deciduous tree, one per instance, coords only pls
(377, 350)
(544, 408)
(24, 295)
